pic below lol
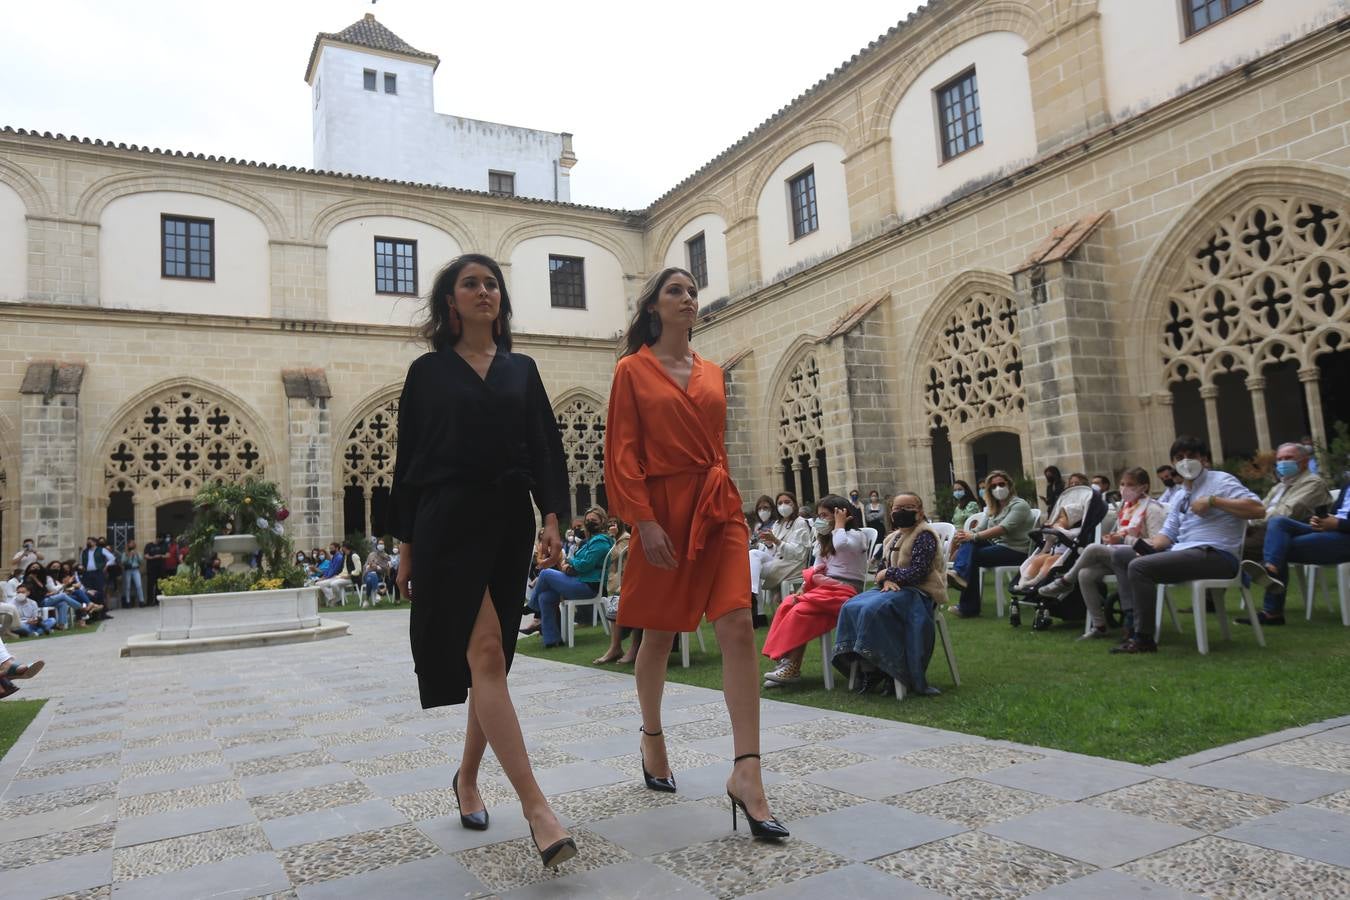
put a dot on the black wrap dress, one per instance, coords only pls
(471, 451)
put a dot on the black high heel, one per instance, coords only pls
(666, 784)
(557, 853)
(477, 821)
(769, 828)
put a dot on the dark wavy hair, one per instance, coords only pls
(834, 502)
(639, 332)
(435, 328)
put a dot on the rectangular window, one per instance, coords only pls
(369, 75)
(390, 83)
(802, 196)
(959, 112)
(567, 281)
(698, 259)
(395, 266)
(1200, 14)
(187, 248)
(503, 184)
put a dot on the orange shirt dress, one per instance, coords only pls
(666, 460)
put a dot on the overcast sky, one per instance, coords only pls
(650, 91)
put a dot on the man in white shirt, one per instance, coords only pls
(1201, 538)
(26, 556)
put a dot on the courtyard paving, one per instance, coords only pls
(309, 771)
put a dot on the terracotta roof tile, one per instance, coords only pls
(850, 320)
(1063, 241)
(369, 33)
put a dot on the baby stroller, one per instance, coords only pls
(1084, 509)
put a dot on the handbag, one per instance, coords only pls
(611, 608)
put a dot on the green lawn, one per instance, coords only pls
(69, 632)
(353, 606)
(14, 718)
(1043, 688)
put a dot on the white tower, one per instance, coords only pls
(374, 114)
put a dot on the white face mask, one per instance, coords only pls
(1189, 469)
(1000, 493)
(379, 547)
(765, 515)
(785, 510)
(1096, 489)
(823, 526)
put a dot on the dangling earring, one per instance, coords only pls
(691, 334)
(496, 328)
(654, 326)
(454, 321)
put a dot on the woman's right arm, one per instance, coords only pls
(625, 470)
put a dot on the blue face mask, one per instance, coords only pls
(959, 494)
(1286, 468)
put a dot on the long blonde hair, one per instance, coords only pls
(993, 504)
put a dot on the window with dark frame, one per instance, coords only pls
(503, 184)
(567, 281)
(390, 83)
(395, 266)
(959, 113)
(697, 248)
(1200, 14)
(802, 196)
(187, 248)
(369, 76)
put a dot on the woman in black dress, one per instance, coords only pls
(476, 437)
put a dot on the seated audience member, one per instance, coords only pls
(1068, 518)
(611, 585)
(1171, 483)
(1322, 540)
(27, 555)
(839, 574)
(967, 504)
(11, 668)
(57, 587)
(1201, 538)
(376, 571)
(1078, 479)
(1101, 484)
(577, 579)
(31, 618)
(332, 576)
(781, 550)
(1297, 493)
(1004, 540)
(889, 630)
(1054, 486)
(1140, 517)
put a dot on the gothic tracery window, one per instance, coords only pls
(975, 371)
(582, 424)
(368, 468)
(801, 432)
(179, 441)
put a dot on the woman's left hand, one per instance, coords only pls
(890, 587)
(840, 518)
(551, 541)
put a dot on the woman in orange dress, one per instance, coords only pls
(666, 471)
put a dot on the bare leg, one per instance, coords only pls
(496, 716)
(650, 671)
(615, 651)
(796, 655)
(634, 644)
(740, 687)
(475, 744)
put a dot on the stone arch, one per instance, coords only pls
(98, 195)
(29, 189)
(998, 15)
(666, 233)
(819, 131)
(517, 234)
(797, 418)
(169, 440)
(344, 211)
(581, 419)
(366, 448)
(1255, 274)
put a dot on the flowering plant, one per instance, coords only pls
(250, 507)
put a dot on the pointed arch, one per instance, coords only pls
(98, 195)
(796, 418)
(581, 419)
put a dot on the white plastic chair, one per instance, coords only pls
(1342, 588)
(684, 644)
(567, 608)
(945, 532)
(1199, 591)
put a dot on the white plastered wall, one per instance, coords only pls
(1009, 125)
(13, 245)
(129, 257)
(1148, 58)
(777, 248)
(715, 244)
(528, 283)
(351, 269)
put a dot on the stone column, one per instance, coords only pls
(309, 430)
(63, 260)
(1068, 84)
(1210, 394)
(1312, 393)
(743, 254)
(738, 373)
(1256, 386)
(869, 375)
(49, 417)
(871, 188)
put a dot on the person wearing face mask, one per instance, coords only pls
(1140, 517)
(578, 578)
(27, 555)
(1171, 482)
(967, 504)
(838, 576)
(874, 514)
(1054, 486)
(1297, 492)
(783, 549)
(889, 630)
(855, 502)
(1201, 538)
(376, 571)
(1004, 540)
(96, 559)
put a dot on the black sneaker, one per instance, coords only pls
(1136, 644)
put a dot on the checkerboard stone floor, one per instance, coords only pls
(309, 771)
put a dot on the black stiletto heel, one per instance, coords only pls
(477, 821)
(557, 853)
(769, 828)
(665, 785)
